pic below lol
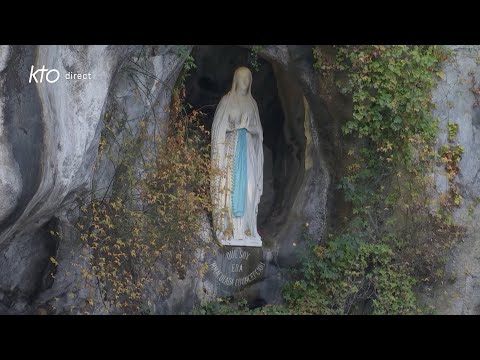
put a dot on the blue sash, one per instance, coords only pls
(240, 174)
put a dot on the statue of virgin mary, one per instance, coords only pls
(237, 160)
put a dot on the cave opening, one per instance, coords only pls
(281, 111)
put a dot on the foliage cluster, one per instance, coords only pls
(152, 212)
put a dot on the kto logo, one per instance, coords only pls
(51, 78)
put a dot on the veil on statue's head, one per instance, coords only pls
(237, 73)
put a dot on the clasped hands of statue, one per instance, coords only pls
(244, 123)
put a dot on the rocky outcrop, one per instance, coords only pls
(49, 140)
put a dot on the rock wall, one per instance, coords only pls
(457, 99)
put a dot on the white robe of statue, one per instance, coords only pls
(236, 111)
